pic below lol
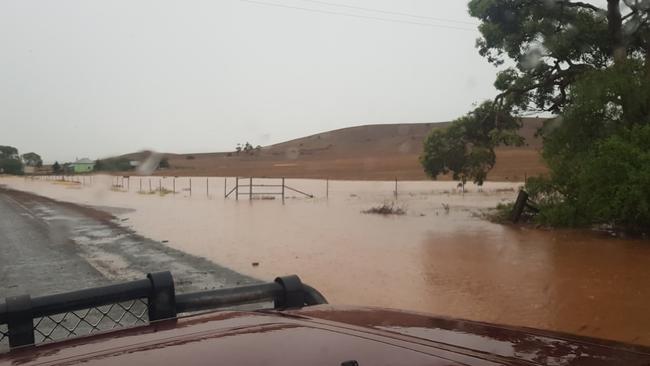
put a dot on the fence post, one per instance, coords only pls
(237, 188)
(395, 187)
(283, 191)
(190, 187)
(250, 189)
(149, 185)
(160, 185)
(327, 188)
(207, 187)
(174, 184)
(225, 186)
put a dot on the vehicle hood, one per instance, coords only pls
(327, 335)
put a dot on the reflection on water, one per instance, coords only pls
(572, 281)
(430, 260)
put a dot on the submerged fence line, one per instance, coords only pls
(261, 188)
(124, 183)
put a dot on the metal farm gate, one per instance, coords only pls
(247, 187)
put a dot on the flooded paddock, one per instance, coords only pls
(439, 257)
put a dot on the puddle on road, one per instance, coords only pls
(430, 260)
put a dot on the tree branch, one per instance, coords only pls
(561, 79)
(580, 4)
(631, 14)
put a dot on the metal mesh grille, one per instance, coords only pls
(87, 321)
(4, 337)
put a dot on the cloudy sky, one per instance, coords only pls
(84, 78)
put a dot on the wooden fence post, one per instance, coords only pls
(190, 187)
(283, 191)
(395, 187)
(327, 188)
(207, 187)
(250, 189)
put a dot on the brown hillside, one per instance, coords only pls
(372, 152)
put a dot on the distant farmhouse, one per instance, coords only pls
(84, 165)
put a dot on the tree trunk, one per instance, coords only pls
(615, 24)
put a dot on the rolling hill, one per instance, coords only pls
(370, 152)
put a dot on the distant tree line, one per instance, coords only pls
(11, 162)
(123, 164)
(113, 165)
(247, 148)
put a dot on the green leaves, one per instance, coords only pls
(551, 42)
(599, 155)
(466, 148)
(613, 184)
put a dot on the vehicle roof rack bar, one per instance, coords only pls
(162, 297)
(18, 312)
(313, 296)
(213, 299)
(92, 297)
(289, 287)
(293, 294)
(20, 322)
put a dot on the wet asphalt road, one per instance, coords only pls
(51, 247)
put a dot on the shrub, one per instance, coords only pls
(113, 165)
(611, 185)
(386, 209)
(599, 154)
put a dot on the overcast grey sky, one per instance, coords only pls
(83, 78)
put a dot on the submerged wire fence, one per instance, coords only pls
(253, 188)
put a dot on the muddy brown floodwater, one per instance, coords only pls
(434, 260)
